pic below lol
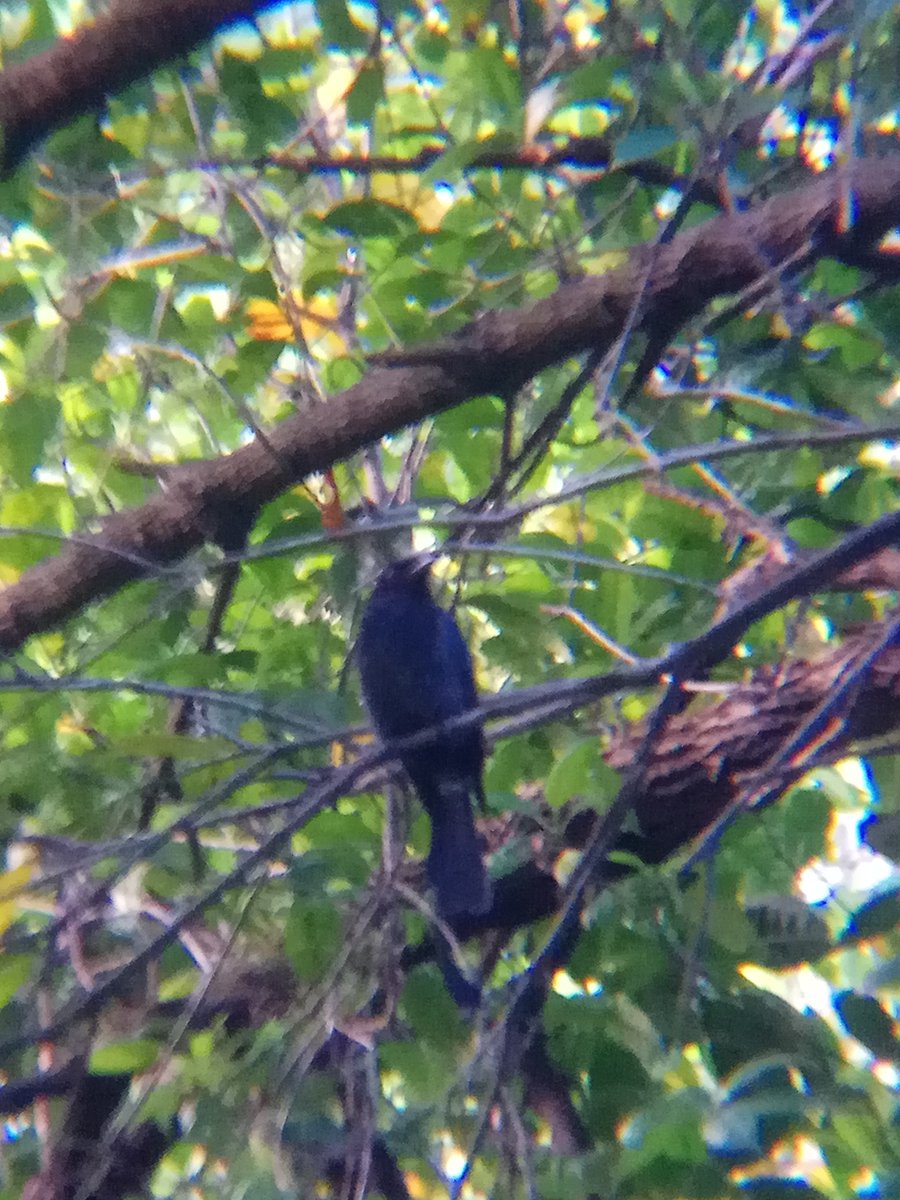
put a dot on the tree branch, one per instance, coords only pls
(494, 353)
(76, 74)
(702, 760)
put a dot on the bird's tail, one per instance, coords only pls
(455, 869)
(463, 990)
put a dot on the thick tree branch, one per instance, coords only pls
(77, 74)
(495, 353)
(705, 757)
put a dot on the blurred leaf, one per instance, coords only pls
(26, 423)
(428, 1007)
(368, 218)
(338, 28)
(173, 745)
(15, 971)
(878, 915)
(755, 1024)
(263, 119)
(128, 303)
(865, 1018)
(15, 303)
(12, 883)
(643, 143)
(498, 77)
(366, 93)
(589, 82)
(422, 1067)
(312, 937)
(791, 931)
(571, 774)
(881, 831)
(124, 1057)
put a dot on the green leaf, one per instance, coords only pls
(589, 82)
(790, 930)
(16, 302)
(499, 78)
(643, 143)
(466, 14)
(123, 1058)
(869, 1023)
(131, 128)
(682, 12)
(754, 1024)
(430, 1010)
(465, 152)
(264, 120)
(173, 745)
(423, 1069)
(312, 938)
(806, 816)
(857, 348)
(879, 915)
(670, 1129)
(26, 422)
(84, 346)
(366, 93)
(571, 774)
(129, 304)
(15, 971)
(339, 30)
(369, 218)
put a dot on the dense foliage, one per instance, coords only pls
(235, 240)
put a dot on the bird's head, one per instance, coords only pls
(413, 571)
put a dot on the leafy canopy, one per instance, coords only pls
(230, 242)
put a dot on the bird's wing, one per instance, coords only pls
(402, 669)
(456, 668)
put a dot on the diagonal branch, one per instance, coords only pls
(702, 762)
(493, 354)
(121, 46)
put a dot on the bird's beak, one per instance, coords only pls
(421, 563)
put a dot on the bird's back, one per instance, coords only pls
(415, 666)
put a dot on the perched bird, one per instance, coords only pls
(417, 673)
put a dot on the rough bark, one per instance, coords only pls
(76, 74)
(708, 756)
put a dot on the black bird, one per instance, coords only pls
(417, 673)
